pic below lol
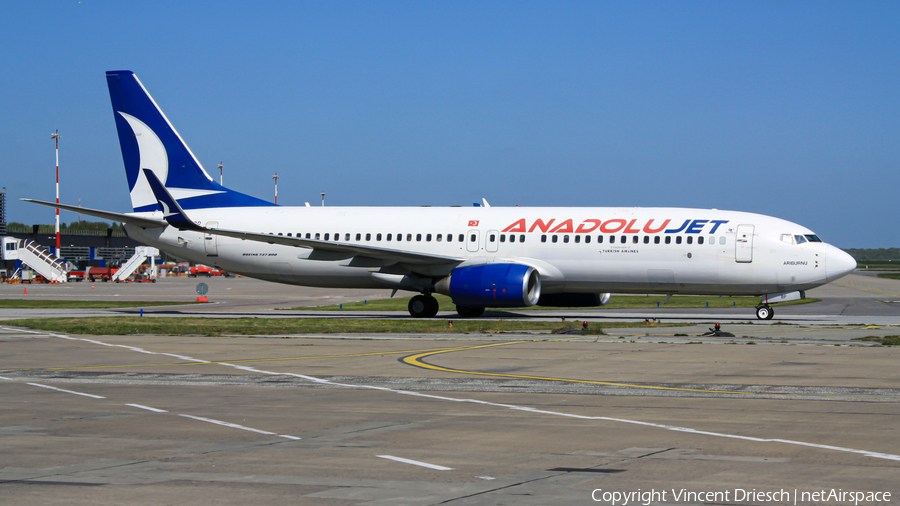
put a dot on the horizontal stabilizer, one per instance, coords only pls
(139, 221)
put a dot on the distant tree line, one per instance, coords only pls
(875, 254)
(66, 227)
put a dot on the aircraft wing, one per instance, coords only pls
(359, 255)
(106, 215)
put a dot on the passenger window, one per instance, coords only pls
(289, 234)
(388, 237)
(722, 240)
(419, 237)
(502, 237)
(678, 240)
(408, 237)
(512, 238)
(587, 239)
(634, 239)
(346, 237)
(554, 238)
(368, 237)
(493, 238)
(624, 239)
(449, 237)
(358, 237)
(656, 240)
(327, 236)
(700, 240)
(474, 238)
(461, 238)
(439, 237)
(428, 237)
(577, 239)
(690, 239)
(317, 236)
(668, 239)
(307, 235)
(377, 237)
(565, 238)
(599, 239)
(543, 238)
(646, 239)
(521, 237)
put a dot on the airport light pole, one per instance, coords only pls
(323, 199)
(275, 177)
(55, 136)
(220, 173)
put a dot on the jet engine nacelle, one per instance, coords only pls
(492, 285)
(574, 299)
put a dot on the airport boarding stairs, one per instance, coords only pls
(141, 253)
(36, 257)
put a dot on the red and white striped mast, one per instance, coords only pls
(55, 136)
(275, 177)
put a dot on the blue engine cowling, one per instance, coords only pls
(492, 285)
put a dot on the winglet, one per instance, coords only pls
(172, 212)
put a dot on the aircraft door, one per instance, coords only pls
(743, 244)
(210, 241)
(490, 241)
(472, 240)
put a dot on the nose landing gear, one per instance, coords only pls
(764, 312)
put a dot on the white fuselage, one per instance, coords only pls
(588, 250)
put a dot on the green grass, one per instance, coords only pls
(81, 304)
(889, 275)
(886, 340)
(616, 302)
(124, 325)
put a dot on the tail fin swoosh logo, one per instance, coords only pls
(152, 157)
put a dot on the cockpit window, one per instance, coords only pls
(800, 239)
(813, 238)
(788, 238)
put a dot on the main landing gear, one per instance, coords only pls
(423, 306)
(764, 312)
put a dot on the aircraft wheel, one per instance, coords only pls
(422, 306)
(765, 313)
(433, 306)
(469, 312)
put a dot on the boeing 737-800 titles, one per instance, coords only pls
(479, 256)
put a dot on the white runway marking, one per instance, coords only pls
(236, 426)
(415, 462)
(877, 455)
(148, 408)
(66, 391)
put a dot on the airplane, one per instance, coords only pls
(482, 257)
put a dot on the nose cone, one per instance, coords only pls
(838, 263)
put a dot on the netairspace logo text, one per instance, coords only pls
(781, 496)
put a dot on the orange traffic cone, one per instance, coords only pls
(26, 290)
(92, 286)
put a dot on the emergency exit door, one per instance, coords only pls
(210, 241)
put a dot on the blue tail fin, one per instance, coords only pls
(149, 141)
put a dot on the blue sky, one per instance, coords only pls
(789, 109)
